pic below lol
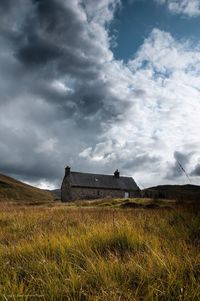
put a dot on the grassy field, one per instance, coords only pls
(99, 252)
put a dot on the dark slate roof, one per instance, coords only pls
(78, 179)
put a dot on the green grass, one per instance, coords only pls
(64, 252)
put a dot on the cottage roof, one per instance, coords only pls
(78, 179)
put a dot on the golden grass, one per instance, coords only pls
(81, 253)
(12, 190)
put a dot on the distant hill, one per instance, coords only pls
(14, 190)
(56, 193)
(177, 192)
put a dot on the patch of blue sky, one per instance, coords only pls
(164, 74)
(194, 70)
(135, 20)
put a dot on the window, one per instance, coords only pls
(98, 192)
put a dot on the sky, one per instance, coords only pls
(100, 85)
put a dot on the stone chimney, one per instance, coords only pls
(67, 171)
(116, 174)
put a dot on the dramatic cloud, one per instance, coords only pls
(190, 8)
(65, 100)
(178, 169)
(53, 87)
(161, 84)
(196, 171)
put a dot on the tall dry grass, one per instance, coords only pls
(68, 253)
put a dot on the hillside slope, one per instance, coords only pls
(178, 192)
(56, 192)
(14, 190)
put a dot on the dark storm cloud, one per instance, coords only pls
(54, 31)
(141, 161)
(5, 4)
(41, 167)
(36, 51)
(53, 95)
(176, 169)
(196, 171)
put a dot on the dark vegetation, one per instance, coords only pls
(180, 193)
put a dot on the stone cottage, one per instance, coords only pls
(78, 185)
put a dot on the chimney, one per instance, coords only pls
(67, 171)
(116, 174)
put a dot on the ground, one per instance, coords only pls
(101, 250)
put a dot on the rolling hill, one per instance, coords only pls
(178, 192)
(14, 190)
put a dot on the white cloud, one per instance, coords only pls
(159, 100)
(190, 8)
